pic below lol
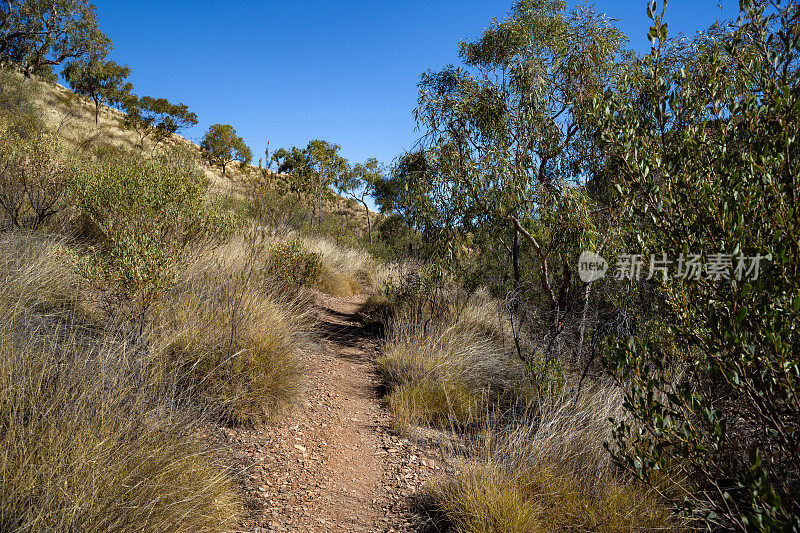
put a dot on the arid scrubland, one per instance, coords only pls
(137, 307)
(583, 291)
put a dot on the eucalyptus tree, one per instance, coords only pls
(156, 119)
(508, 134)
(358, 183)
(39, 34)
(102, 81)
(222, 146)
(313, 170)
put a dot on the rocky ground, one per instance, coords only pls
(333, 464)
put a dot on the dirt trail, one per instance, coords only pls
(333, 464)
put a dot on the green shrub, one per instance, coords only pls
(149, 213)
(715, 400)
(294, 265)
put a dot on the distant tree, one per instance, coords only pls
(102, 81)
(313, 170)
(222, 146)
(155, 118)
(38, 34)
(358, 183)
(292, 163)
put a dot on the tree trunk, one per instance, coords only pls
(515, 261)
(369, 222)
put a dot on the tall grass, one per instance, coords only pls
(232, 335)
(443, 372)
(87, 442)
(548, 471)
(348, 269)
(525, 456)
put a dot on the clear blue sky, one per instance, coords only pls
(345, 71)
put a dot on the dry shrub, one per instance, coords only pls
(232, 335)
(549, 472)
(86, 442)
(34, 172)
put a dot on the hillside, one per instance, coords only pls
(72, 116)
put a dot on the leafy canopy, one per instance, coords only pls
(38, 34)
(156, 119)
(222, 146)
(102, 81)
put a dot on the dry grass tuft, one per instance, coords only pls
(443, 373)
(547, 473)
(349, 269)
(233, 336)
(35, 274)
(87, 443)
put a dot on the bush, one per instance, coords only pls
(716, 397)
(34, 173)
(294, 265)
(318, 264)
(150, 213)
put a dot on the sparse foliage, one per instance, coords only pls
(156, 119)
(358, 183)
(313, 170)
(102, 81)
(33, 178)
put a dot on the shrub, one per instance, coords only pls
(293, 264)
(716, 397)
(150, 214)
(318, 264)
(34, 174)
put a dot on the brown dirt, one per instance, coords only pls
(332, 465)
